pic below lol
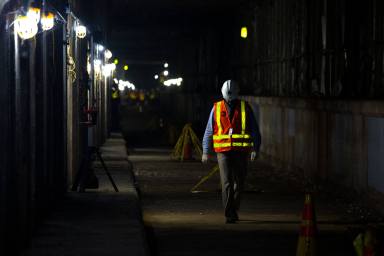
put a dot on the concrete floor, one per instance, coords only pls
(179, 222)
(98, 222)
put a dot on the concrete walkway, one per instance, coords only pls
(181, 223)
(99, 222)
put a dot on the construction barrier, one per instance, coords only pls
(205, 178)
(306, 245)
(186, 145)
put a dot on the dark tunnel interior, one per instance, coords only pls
(191, 127)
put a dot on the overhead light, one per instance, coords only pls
(116, 61)
(81, 31)
(47, 21)
(156, 77)
(34, 14)
(244, 32)
(100, 47)
(166, 73)
(126, 67)
(123, 84)
(166, 65)
(25, 27)
(107, 54)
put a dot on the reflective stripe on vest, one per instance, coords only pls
(218, 111)
(235, 143)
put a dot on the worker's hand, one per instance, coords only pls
(204, 158)
(253, 155)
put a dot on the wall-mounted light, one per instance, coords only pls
(97, 65)
(47, 21)
(156, 77)
(126, 67)
(166, 65)
(100, 47)
(81, 31)
(25, 27)
(34, 14)
(116, 61)
(107, 54)
(166, 73)
(244, 32)
(108, 69)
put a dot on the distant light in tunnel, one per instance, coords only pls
(81, 31)
(97, 65)
(116, 61)
(108, 54)
(108, 69)
(244, 32)
(47, 21)
(123, 84)
(173, 81)
(97, 62)
(25, 27)
(166, 65)
(126, 67)
(156, 77)
(166, 73)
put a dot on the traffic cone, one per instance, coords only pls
(306, 245)
(365, 243)
(187, 151)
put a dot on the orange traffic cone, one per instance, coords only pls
(365, 243)
(306, 245)
(187, 151)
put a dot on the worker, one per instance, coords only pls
(233, 133)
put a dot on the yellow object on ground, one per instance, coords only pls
(205, 178)
(186, 144)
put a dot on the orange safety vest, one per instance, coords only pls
(231, 135)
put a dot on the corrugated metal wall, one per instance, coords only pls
(32, 147)
(316, 48)
(5, 123)
(43, 137)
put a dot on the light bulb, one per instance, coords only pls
(25, 27)
(47, 21)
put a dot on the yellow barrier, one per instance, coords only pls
(205, 178)
(186, 144)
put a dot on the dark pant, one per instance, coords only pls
(233, 170)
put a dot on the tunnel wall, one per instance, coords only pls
(41, 115)
(32, 162)
(334, 140)
(302, 48)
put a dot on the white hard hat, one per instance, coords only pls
(230, 90)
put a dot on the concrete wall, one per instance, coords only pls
(337, 141)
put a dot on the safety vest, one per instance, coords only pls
(231, 135)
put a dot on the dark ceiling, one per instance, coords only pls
(145, 33)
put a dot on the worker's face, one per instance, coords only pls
(230, 95)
